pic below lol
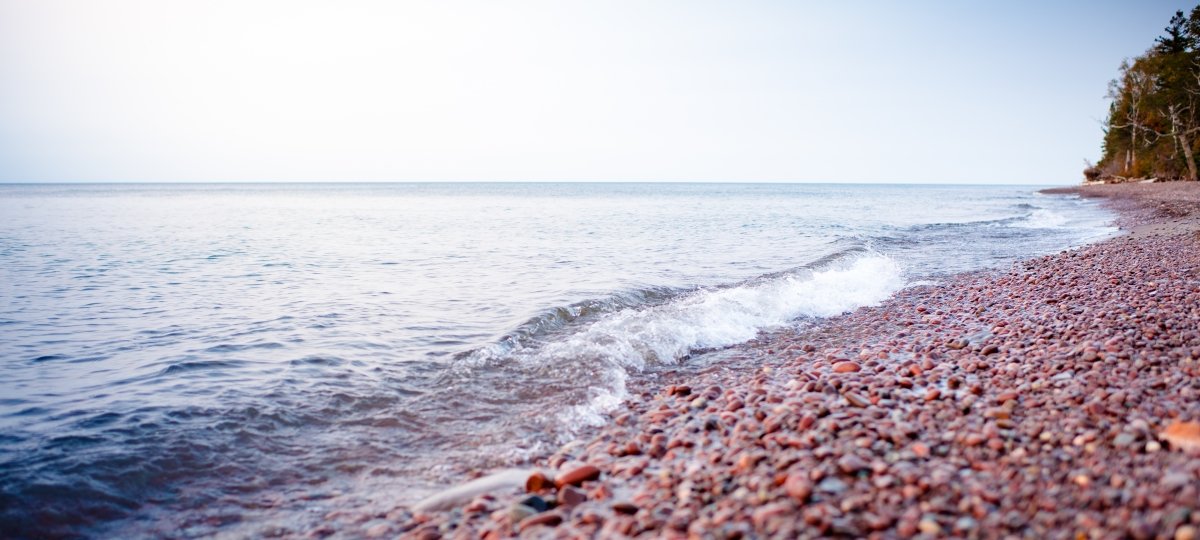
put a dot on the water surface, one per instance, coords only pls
(241, 359)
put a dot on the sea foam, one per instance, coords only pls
(634, 339)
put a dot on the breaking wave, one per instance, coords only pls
(649, 329)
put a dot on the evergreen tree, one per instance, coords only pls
(1154, 119)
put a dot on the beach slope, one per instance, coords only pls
(1053, 399)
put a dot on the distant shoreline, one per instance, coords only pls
(1050, 398)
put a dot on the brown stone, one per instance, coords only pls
(798, 486)
(537, 482)
(846, 367)
(624, 507)
(856, 399)
(570, 496)
(548, 519)
(577, 476)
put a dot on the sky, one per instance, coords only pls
(560, 90)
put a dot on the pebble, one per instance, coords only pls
(518, 512)
(570, 496)
(624, 508)
(378, 530)
(798, 487)
(846, 367)
(855, 399)
(537, 482)
(929, 526)
(548, 519)
(535, 502)
(851, 463)
(577, 476)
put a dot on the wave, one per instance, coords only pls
(1041, 218)
(659, 327)
(1033, 217)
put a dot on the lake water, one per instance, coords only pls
(241, 359)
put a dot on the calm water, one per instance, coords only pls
(208, 359)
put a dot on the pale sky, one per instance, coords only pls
(258, 90)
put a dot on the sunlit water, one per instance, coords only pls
(242, 359)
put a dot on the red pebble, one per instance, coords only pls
(577, 476)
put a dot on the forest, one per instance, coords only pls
(1153, 122)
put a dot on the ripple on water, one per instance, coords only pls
(212, 360)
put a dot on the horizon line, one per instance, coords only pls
(563, 181)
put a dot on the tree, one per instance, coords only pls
(1178, 38)
(1153, 124)
(1127, 113)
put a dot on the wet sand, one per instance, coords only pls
(1050, 400)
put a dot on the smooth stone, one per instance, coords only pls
(536, 503)
(831, 485)
(626, 508)
(798, 487)
(846, 367)
(519, 512)
(549, 519)
(577, 476)
(570, 496)
(537, 482)
(856, 400)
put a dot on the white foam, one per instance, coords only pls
(631, 339)
(1042, 218)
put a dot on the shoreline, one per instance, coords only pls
(1026, 402)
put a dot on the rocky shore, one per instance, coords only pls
(1056, 399)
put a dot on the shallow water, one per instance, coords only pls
(240, 359)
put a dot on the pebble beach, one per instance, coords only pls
(1055, 399)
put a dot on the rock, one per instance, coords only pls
(1183, 436)
(537, 503)
(831, 485)
(518, 512)
(378, 530)
(851, 464)
(479, 504)
(855, 399)
(624, 507)
(1185, 532)
(577, 476)
(846, 367)
(537, 482)
(570, 496)
(990, 349)
(798, 486)
(548, 519)
(928, 526)
(1124, 440)
(920, 450)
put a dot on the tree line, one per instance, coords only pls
(1153, 123)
